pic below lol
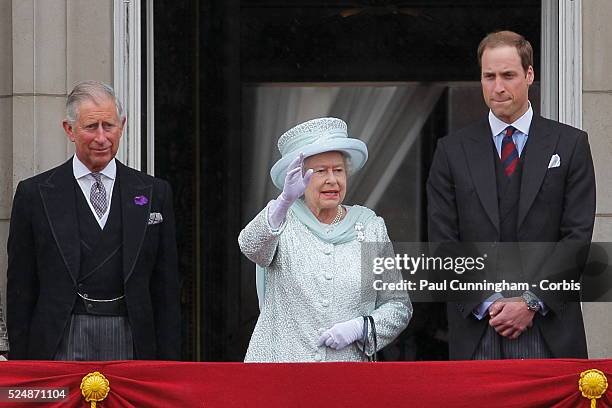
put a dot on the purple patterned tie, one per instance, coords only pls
(509, 154)
(97, 195)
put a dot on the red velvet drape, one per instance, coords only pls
(510, 383)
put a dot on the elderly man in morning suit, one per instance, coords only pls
(92, 262)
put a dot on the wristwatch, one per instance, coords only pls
(533, 303)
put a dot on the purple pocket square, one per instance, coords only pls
(141, 200)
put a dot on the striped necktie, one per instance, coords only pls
(97, 195)
(509, 154)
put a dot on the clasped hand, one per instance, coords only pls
(510, 317)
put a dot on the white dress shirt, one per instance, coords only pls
(522, 126)
(519, 137)
(83, 176)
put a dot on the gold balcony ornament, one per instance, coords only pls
(593, 384)
(95, 388)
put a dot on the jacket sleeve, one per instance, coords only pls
(579, 205)
(393, 309)
(442, 214)
(165, 286)
(443, 224)
(22, 285)
(567, 260)
(258, 241)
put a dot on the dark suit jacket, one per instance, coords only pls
(44, 262)
(556, 205)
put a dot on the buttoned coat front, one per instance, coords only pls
(310, 286)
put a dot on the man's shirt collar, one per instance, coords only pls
(80, 170)
(522, 124)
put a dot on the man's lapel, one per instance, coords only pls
(482, 169)
(135, 215)
(540, 147)
(59, 201)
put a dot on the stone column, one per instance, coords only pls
(46, 46)
(597, 121)
(6, 136)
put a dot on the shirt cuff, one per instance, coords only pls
(543, 308)
(482, 309)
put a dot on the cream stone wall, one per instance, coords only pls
(6, 136)
(597, 121)
(46, 46)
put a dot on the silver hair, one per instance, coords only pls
(92, 91)
(348, 164)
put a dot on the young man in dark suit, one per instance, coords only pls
(513, 177)
(92, 261)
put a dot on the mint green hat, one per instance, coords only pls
(313, 137)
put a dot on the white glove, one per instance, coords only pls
(342, 334)
(295, 185)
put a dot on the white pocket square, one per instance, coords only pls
(555, 161)
(155, 218)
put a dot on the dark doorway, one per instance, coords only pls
(218, 62)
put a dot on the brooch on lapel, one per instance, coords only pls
(141, 200)
(360, 233)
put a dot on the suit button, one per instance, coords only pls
(327, 251)
(89, 305)
(80, 285)
(325, 302)
(328, 276)
(85, 295)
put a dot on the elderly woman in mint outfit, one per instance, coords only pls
(308, 246)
